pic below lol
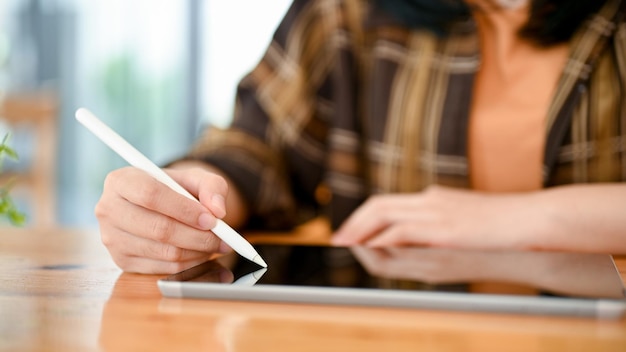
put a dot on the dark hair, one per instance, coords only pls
(550, 22)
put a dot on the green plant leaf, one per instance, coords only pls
(4, 205)
(7, 207)
(16, 217)
(9, 152)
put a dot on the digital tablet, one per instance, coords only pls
(553, 283)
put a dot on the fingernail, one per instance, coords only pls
(206, 221)
(220, 205)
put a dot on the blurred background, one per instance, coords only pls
(157, 71)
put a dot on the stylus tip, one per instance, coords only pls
(260, 261)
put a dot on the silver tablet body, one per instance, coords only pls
(547, 283)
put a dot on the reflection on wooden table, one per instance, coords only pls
(59, 291)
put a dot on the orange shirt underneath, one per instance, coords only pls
(512, 93)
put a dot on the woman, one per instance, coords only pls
(491, 124)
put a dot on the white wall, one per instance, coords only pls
(236, 33)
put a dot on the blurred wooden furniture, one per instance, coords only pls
(60, 291)
(35, 113)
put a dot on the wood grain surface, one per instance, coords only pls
(60, 291)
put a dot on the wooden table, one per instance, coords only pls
(60, 291)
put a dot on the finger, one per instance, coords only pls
(163, 229)
(375, 216)
(209, 188)
(139, 188)
(402, 234)
(123, 244)
(361, 225)
(118, 214)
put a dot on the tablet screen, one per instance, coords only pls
(547, 283)
(526, 273)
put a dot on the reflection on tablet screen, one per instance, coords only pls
(421, 269)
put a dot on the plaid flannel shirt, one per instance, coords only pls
(347, 102)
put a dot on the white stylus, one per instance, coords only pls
(138, 160)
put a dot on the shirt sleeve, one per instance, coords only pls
(275, 149)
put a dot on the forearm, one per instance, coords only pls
(236, 208)
(588, 217)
